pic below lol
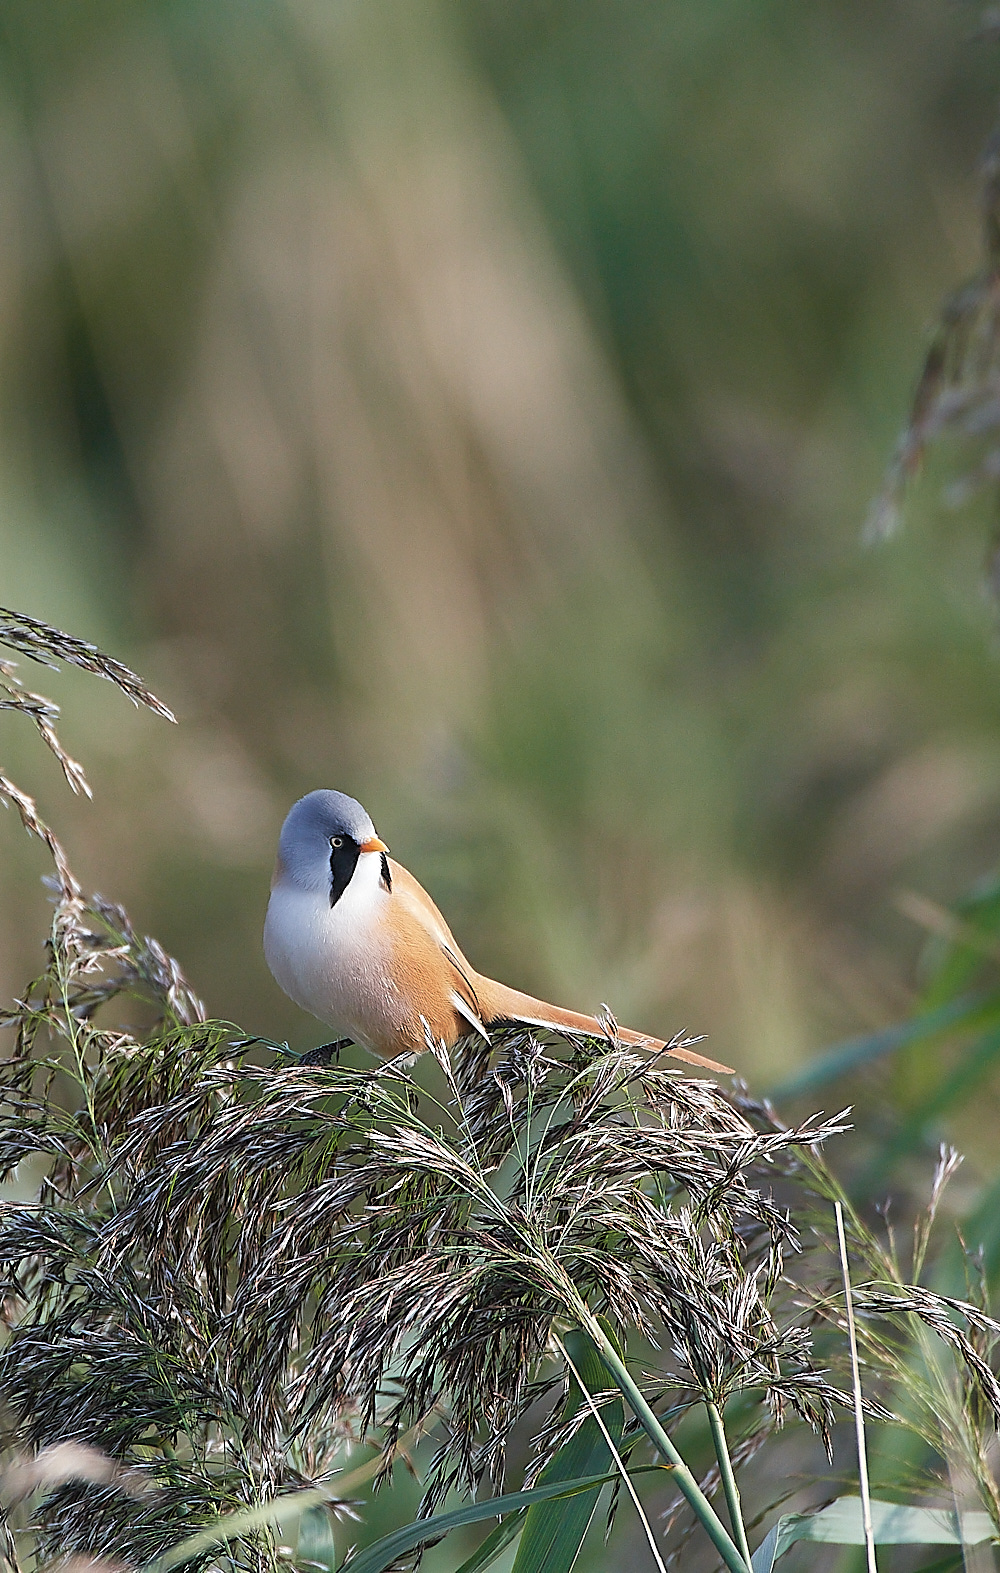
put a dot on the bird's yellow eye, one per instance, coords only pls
(336, 841)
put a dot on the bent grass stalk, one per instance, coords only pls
(686, 1482)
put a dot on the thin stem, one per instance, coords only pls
(729, 1485)
(562, 1101)
(859, 1412)
(686, 1482)
(526, 1160)
(619, 1462)
(72, 1034)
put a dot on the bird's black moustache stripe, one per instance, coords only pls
(343, 862)
(386, 876)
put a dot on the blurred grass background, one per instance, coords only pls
(474, 405)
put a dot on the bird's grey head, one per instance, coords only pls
(321, 840)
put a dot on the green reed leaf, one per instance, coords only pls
(894, 1525)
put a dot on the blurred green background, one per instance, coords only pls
(474, 406)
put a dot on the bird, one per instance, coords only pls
(354, 939)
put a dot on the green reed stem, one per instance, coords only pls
(687, 1484)
(729, 1485)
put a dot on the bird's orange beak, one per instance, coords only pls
(373, 845)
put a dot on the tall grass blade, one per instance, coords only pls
(555, 1531)
(496, 1543)
(893, 1524)
(859, 1412)
(968, 1011)
(976, 1063)
(619, 1464)
(385, 1552)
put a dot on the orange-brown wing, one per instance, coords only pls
(428, 956)
(428, 963)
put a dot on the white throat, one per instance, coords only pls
(329, 959)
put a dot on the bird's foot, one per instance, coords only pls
(325, 1054)
(254, 1041)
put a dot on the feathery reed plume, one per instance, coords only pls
(232, 1272)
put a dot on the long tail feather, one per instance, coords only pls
(499, 1003)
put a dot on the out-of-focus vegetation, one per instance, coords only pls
(475, 406)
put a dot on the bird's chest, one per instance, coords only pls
(333, 961)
